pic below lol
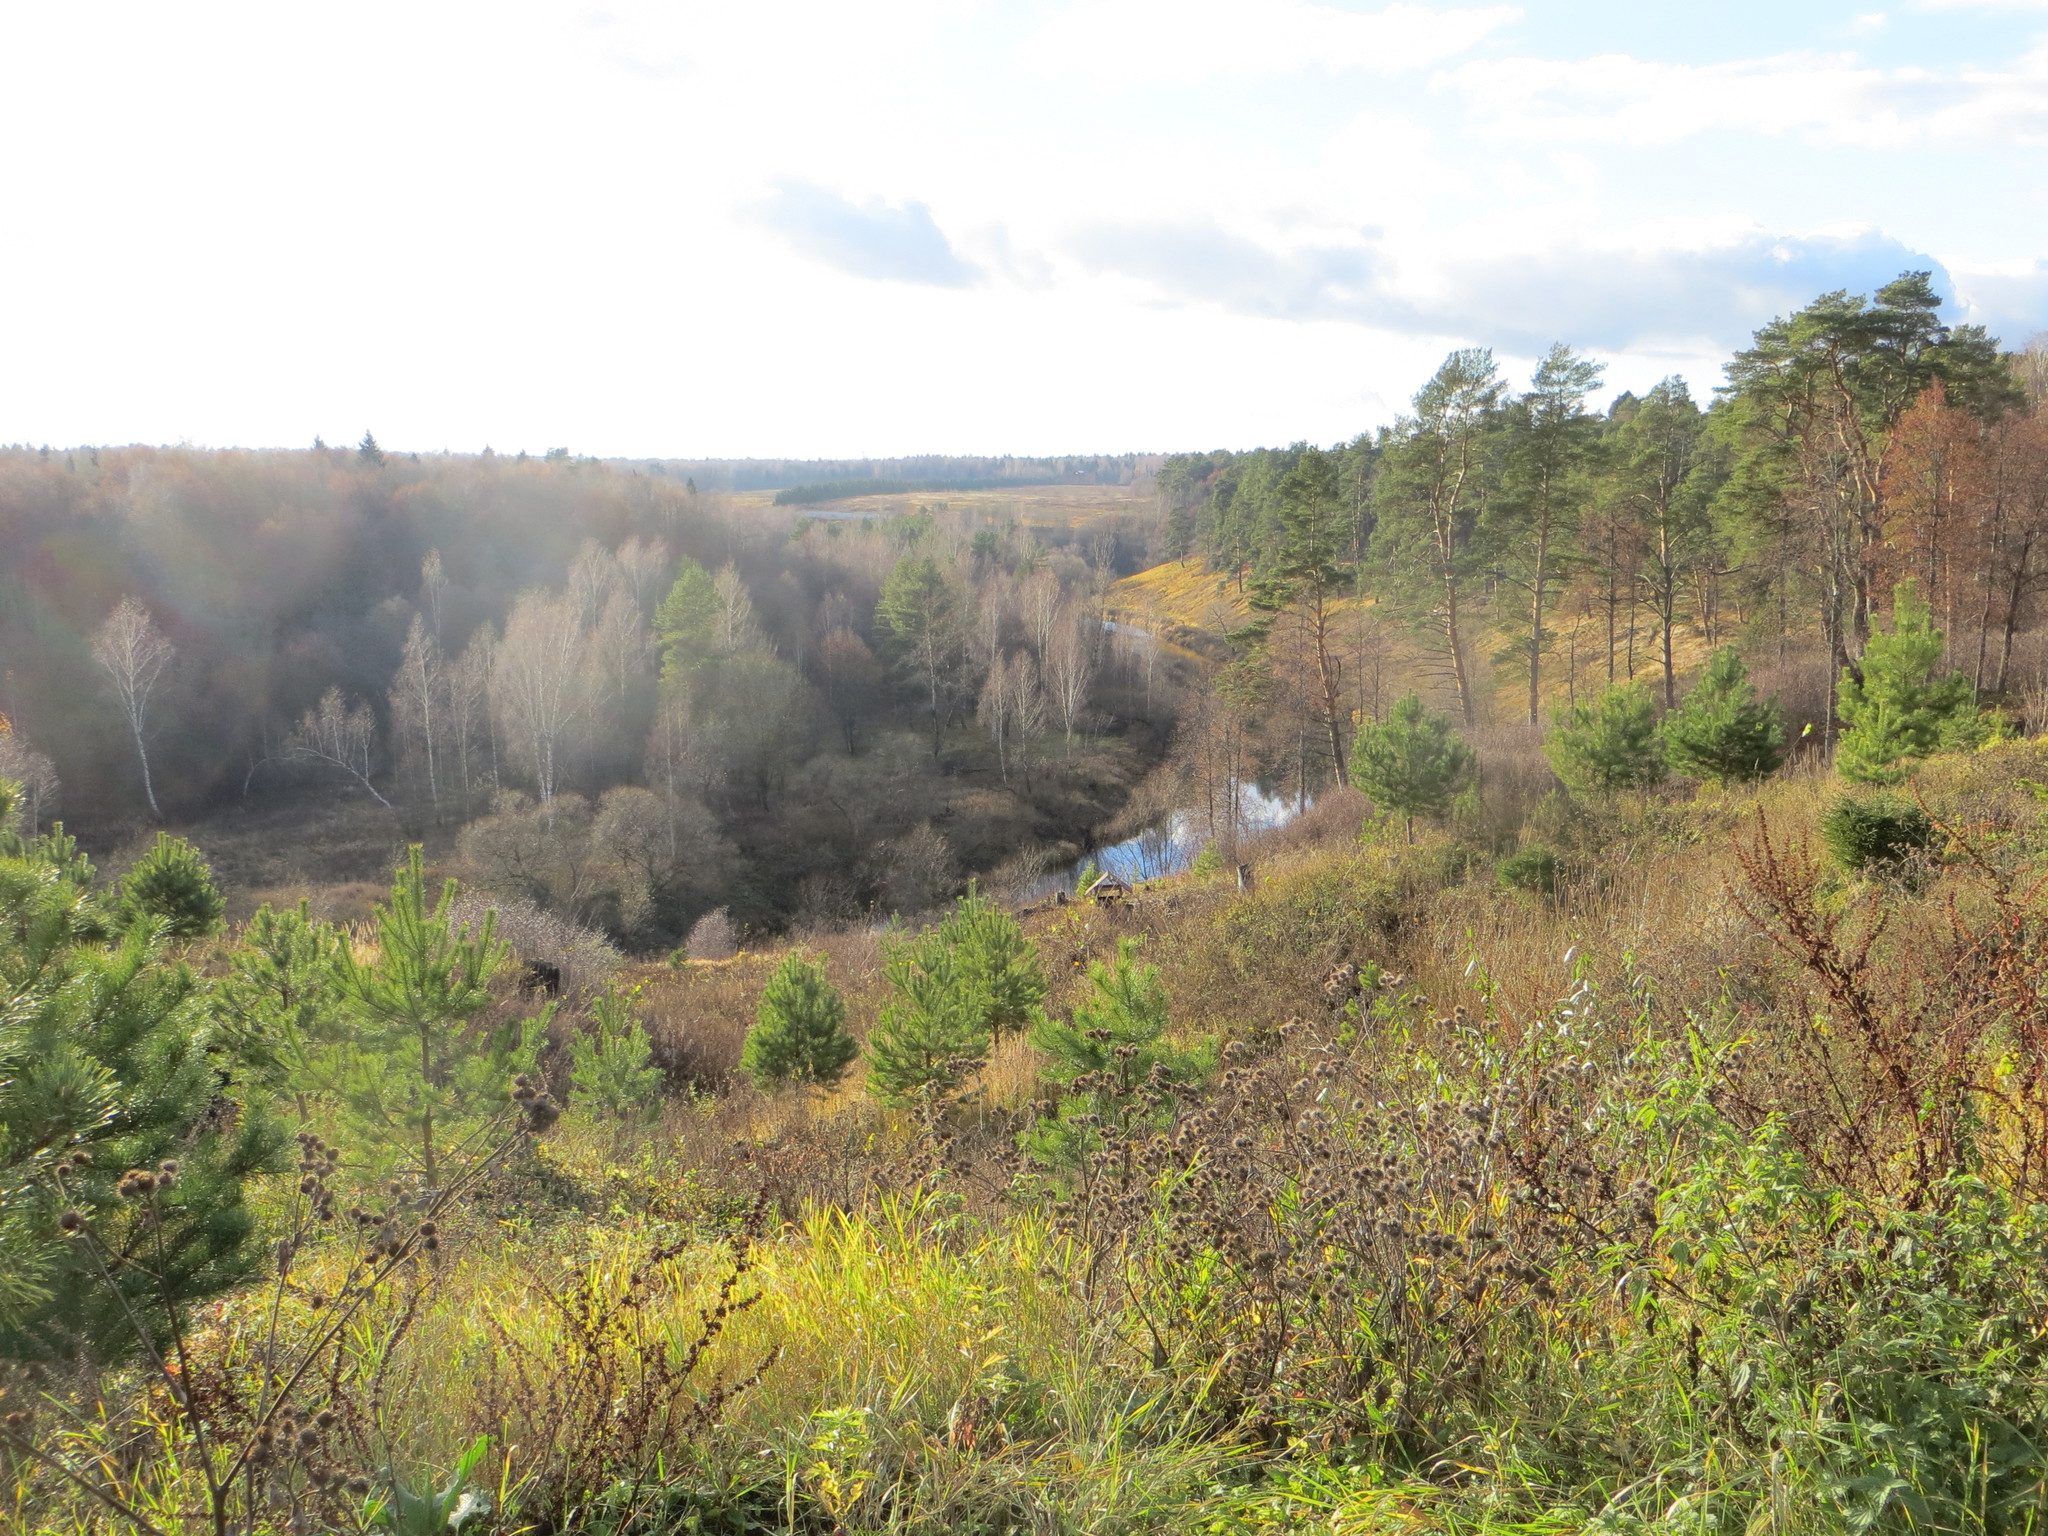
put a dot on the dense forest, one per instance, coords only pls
(628, 700)
(1506, 551)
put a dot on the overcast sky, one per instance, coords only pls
(961, 226)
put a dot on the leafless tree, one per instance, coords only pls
(133, 653)
(417, 692)
(537, 683)
(433, 587)
(337, 736)
(470, 729)
(712, 937)
(31, 771)
(594, 575)
(1041, 604)
(645, 566)
(620, 642)
(737, 629)
(994, 711)
(1070, 667)
(678, 763)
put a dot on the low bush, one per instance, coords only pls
(1875, 832)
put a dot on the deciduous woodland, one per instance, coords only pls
(605, 691)
(546, 996)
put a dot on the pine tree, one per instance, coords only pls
(687, 621)
(368, 451)
(612, 1062)
(919, 626)
(997, 961)
(934, 1031)
(1610, 744)
(104, 1070)
(1412, 763)
(173, 886)
(1897, 711)
(799, 1033)
(1722, 732)
(421, 1081)
(278, 1010)
(1114, 1055)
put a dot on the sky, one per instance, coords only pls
(789, 229)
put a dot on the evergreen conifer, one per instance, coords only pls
(1897, 711)
(934, 1031)
(103, 1070)
(799, 1033)
(1723, 732)
(172, 885)
(420, 1080)
(1610, 744)
(612, 1062)
(1412, 763)
(996, 960)
(1115, 1046)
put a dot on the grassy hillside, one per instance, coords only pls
(1701, 1191)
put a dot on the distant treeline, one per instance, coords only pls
(840, 490)
(945, 471)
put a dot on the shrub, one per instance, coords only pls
(1876, 832)
(1532, 869)
(799, 1033)
(712, 937)
(172, 885)
(1722, 733)
(1610, 744)
(1412, 763)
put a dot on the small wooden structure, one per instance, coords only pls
(1107, 891)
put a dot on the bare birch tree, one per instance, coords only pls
(1041, 606)
(994, 710)
(133, 653)
(594, 575)
(417, 692)
(645, 565)
(537, 684)
(737, 628)
(1070, 667)
(338, 736)
(471, 731)
(620, 643)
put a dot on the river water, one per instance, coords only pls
(1170, 846)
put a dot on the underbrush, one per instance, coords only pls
(1699, 1191)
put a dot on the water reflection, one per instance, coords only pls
(1170, 846)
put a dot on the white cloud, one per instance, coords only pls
(1615, 98)
(898, 243)
(1129, 41)
(1691, 287)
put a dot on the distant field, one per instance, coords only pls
(1033, 506)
